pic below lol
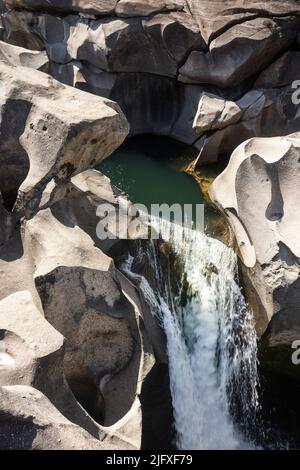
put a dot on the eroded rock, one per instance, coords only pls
(97, 7)
(216, 17)
(28, 420)
(55, 283)
(240, 52)
(258, 193)
(43, 125)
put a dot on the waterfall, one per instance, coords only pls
(211, 340)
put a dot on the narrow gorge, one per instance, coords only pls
(182, 331)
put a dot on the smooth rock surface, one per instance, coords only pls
(98, 7)
(215, 113)
(72, 335)
(29, 421)
(258, 193)
(216, 16)
(43, 125)
(240, 52)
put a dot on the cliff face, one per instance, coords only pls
(158, 58)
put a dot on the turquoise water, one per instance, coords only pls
(150, 170)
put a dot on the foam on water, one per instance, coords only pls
(211, 341)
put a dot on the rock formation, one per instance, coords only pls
(77, 343)
(73, 352)
(258, 193)
(194, 49)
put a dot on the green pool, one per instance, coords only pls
(151, 171)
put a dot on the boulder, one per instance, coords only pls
(91, 190)
(72, 327)
(44, 124)
(3, 7)
(215, 113)
(18, 56)
(110, 44)
(32, 354)
(265, 111)
(94, 7)
(29, 421)
(106, 351)
(240, 52)
(216, 17)
(258, 192)
(28, 341)
(100, 7)
(18, 32)
(281, 73)
(146, 7)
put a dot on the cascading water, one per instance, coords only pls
(211, 340)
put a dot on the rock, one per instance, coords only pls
(17, 30)
(176, 32)
(258, 192)
(215, 113)
(281, 73)
(28, 420)
(91, 190)
(3, 8)
(51, 134)
(264, 112)
(108, 43)
(18, 56)
(170, 108)
(99, 341)
(139, 7)
(100, 7)
(216, 17)
(54, 122)
(33, 355)
(103, 340)
(36, 344)
(95, 7)
(229, 62)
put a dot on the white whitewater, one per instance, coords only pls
(211, 342)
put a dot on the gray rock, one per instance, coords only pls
(265, 112)
(28, 420)
(281, 73)
(258, 192)
(17, 30)
(18, 56)
(54, 121)
(97, 7)
(73, 344)
(146, 7)
(216, 17)
(215, 113)
(242, 51)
